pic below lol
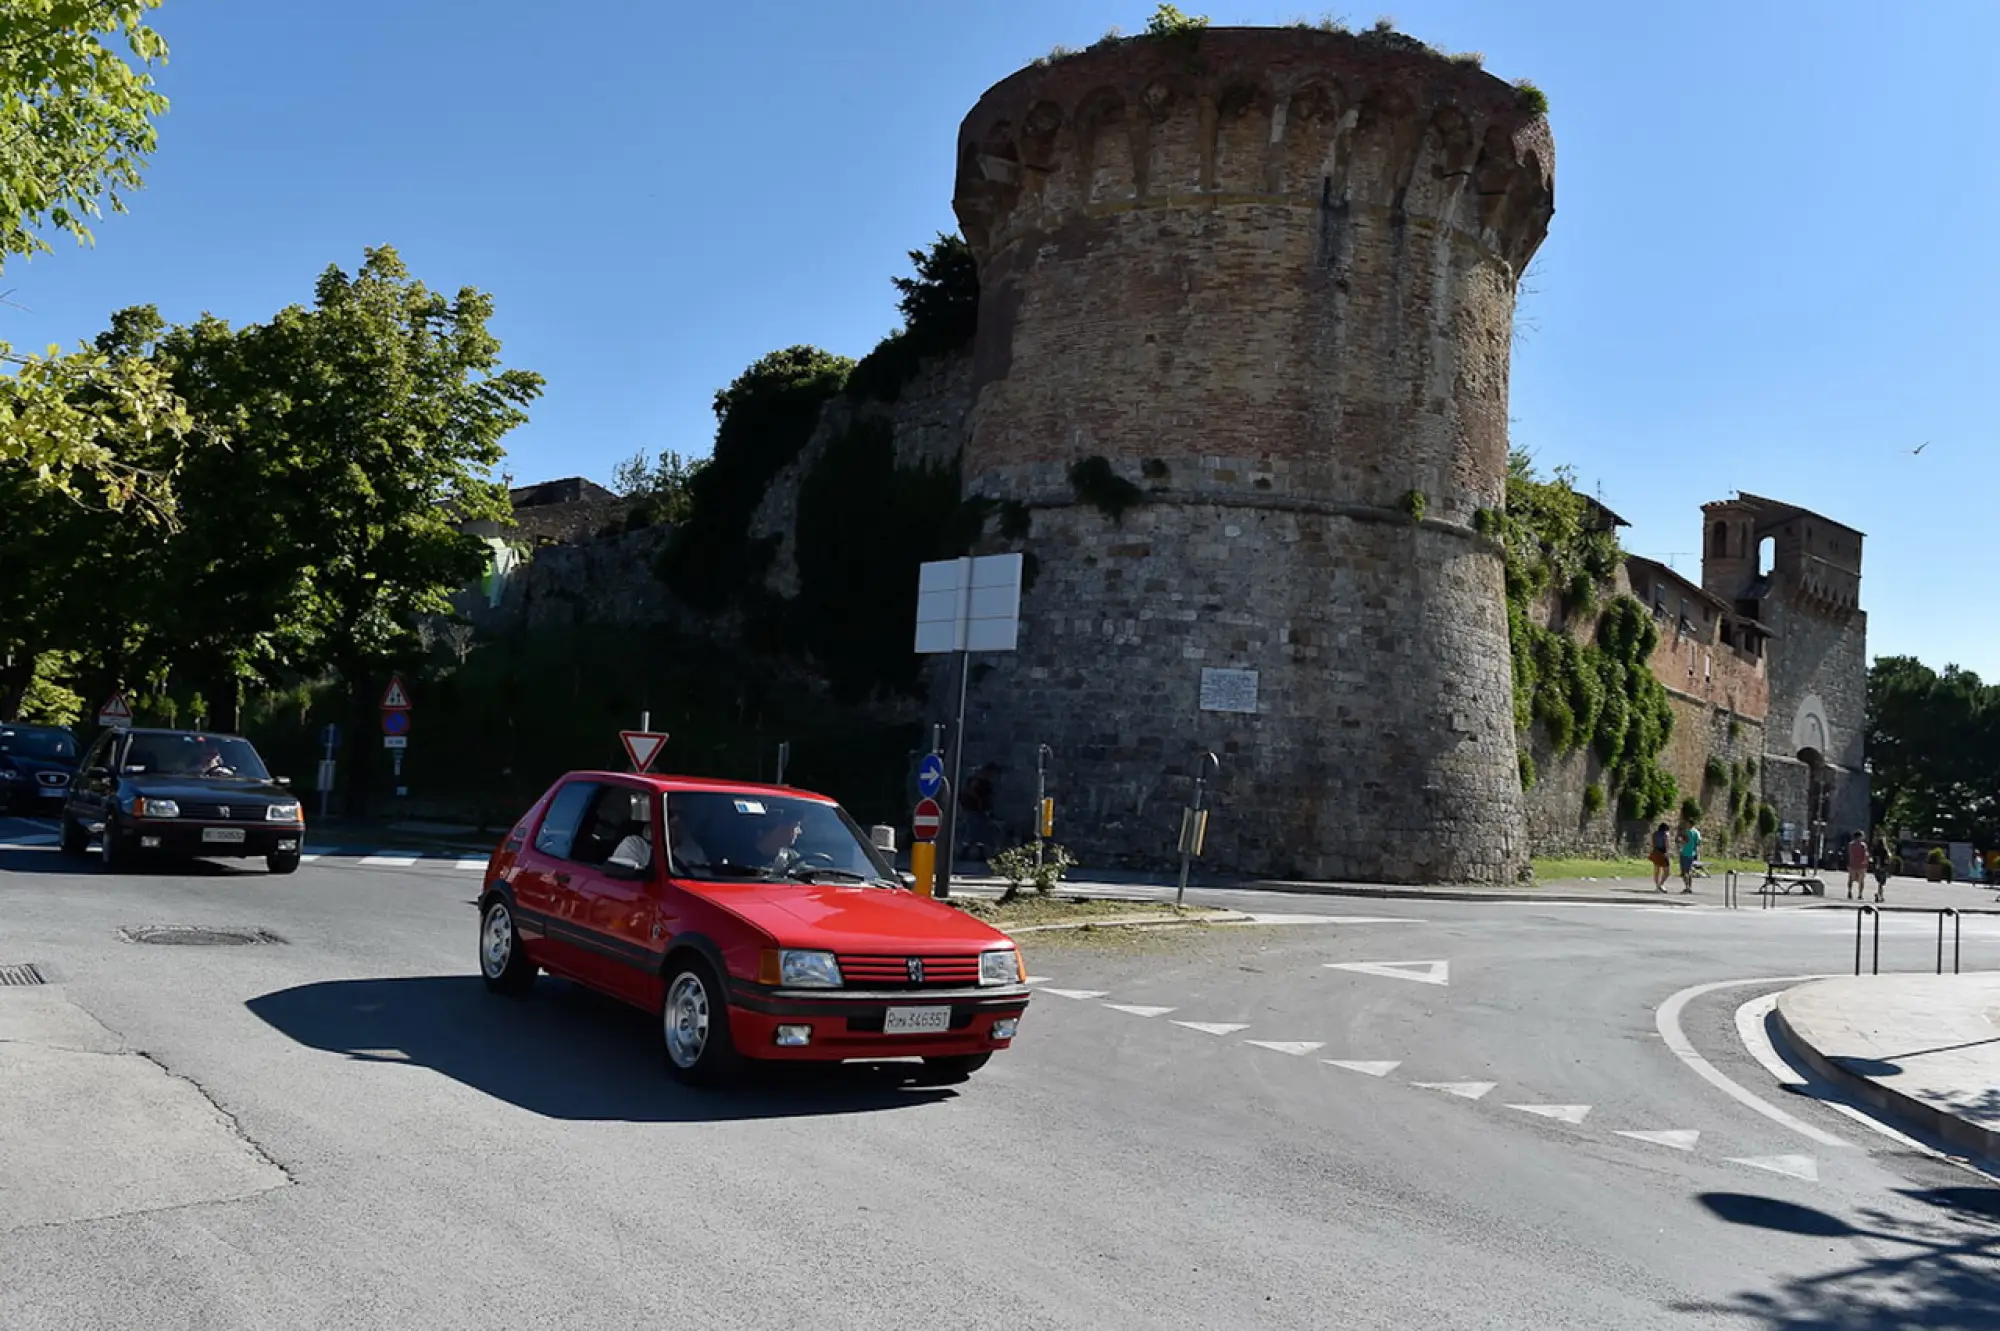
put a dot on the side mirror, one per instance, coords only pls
(281, 780)
(909, 881)
(97, 771)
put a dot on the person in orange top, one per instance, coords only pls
(1857, 869)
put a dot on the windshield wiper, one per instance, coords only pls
(806, 873)
(732, 870)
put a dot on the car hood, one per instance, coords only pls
(28, 766)
(845, 917)
(206, 791)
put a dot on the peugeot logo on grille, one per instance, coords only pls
(222, 810)
(916, 968)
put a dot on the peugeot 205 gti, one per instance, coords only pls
(758, 922)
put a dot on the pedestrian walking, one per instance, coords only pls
(1659, 858)
(1857, 870)
(1690, 848)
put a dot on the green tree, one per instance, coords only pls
(660, 488)
(1933, 760)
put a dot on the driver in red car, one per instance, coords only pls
(776, 843)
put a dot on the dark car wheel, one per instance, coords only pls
(694, 1025)
(112, 851)
(75, 841)
(954, 1067)
(503, 962)
(282, 861)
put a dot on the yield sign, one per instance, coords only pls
(395, 698)
(642, 746)
(115, 711)
(1423, 972)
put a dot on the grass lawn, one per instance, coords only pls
(1058, 909)
(1551, 869)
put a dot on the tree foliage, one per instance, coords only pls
(940, 309)
(1934, 750)
(660, 489)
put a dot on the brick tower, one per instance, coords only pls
(1266, 276)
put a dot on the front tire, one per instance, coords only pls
(503, 962)
(75, 841)
(954, 1067)
(694, 1026)
(282, 861)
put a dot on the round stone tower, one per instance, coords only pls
(1264, 278)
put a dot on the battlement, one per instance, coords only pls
(1244, 116)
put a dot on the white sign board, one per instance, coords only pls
(969, 605)
(1228, 690)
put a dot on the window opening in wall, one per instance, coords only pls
(1719, 542)
(1766, 548)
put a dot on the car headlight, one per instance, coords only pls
(1000, 967)
(9, 774)
(281, 813)
(808, 970)
(145, 808)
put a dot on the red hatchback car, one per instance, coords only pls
(757, 921)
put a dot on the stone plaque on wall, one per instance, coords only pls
(1228, 690)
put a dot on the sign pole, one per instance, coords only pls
(950, 834)
(1041, 800)
(1192, 828)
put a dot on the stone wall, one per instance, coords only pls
(603, 580)
(1277, 284)
(1819, 700)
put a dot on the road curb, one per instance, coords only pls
(1130, 921)
(1940, 1123)
(1449, 894)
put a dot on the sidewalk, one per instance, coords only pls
(1594, 891)
(1923, 1047)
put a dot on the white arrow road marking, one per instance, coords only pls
(1138, 1010)
(1791, 1166)
(1215, 1027)
(1423, 972)
(1257, 918)
(468, 863)
(1289, 1046)
(1036, 979)
(382, 861)
(1566, 1113)
(1668, 1021)
(1077, 993)
(1373, 1069)
(1680, 1139)
(1465, 1090)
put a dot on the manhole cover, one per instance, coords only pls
(20, 973)
(188, 935)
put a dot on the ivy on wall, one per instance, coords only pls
(1596, 690)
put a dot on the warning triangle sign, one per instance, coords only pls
(642, 746)
(1423, 972)
(395, 698)
(115, 711)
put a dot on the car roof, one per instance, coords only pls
(668, 785)
(32, 725)
(170, 730)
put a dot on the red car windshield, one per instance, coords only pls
(720, 835)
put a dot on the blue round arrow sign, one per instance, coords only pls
(395, 723)
(930, 775)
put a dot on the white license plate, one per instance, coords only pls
(228, 836)
(915, 1020)
(53, 792)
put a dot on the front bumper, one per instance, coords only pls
(174, 837)
(847, 1023)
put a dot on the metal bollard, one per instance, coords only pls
(1953, 912)
(1868, 910)
(1729, 889)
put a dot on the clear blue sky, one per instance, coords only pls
(1771, 269)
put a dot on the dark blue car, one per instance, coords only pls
(36, 764)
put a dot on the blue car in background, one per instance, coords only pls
(36, 764)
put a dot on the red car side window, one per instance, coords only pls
(566, 810)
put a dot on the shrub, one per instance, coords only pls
(1017, 866)
(1530, 98)
(1416, 504)
(1767, 820)
(1690, 811)
(1169, 21)
(1715, 771)
(1593, 800)
(1096, 484)
(1936, 856)
(1525, 764)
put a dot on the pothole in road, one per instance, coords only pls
(189, 935)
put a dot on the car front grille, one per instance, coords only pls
(878, 971)
(223, 813)
(56, 779)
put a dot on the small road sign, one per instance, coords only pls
(395, 741)
(924, 822)
(930, 775)
(642, 746)
(395, 698)
(330, 737)
(395, 723)
(115, 712)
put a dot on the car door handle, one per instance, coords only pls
(562, 880)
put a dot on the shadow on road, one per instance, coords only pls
(1940, 1269)
(49, 860)
(563, 1052)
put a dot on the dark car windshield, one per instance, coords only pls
(195, 755)
(719, 835)
(49, 745)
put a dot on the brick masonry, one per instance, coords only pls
(1276, 281)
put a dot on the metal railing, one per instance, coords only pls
(1868, 910)
(1729, 889)
(1953, 912)
(1875, 964)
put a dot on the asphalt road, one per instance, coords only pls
(390, 1146)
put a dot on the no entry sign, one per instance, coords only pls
(924, 822)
